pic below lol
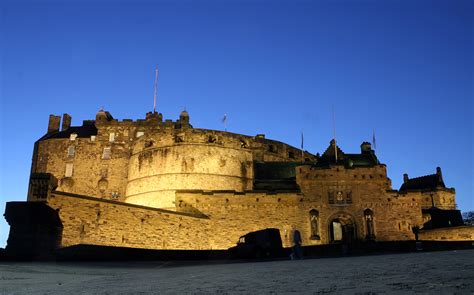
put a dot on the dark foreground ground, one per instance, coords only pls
(426, 272)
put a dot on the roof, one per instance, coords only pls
(84, 131)
(275, 176)
(427, 182)
(364, 159)
(442, 218)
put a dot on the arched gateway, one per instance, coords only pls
(342, 228)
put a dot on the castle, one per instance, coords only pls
(163, 184)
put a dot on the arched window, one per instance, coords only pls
(369, 225)
(314, 220)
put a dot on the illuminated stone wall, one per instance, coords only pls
(150, 159)
(111, 223)
(350, 191)
(458, 233)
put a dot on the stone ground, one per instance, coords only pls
(450, 272)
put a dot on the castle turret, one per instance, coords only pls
(184, 117)
(365, 147)
(103, 116)
(439, 174)
(405, 178)
(183, 120)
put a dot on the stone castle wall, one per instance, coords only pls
(99, 222)
(458, 233)
(145, 161)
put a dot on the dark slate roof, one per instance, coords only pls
(427, 182)
(84, 131)
(275, 170)
(364, 159)
(442, 218)
(275, 176)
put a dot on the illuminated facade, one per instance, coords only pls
(158, 184)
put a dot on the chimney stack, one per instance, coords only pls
(405, 178)
(53, 124)
(66, 122)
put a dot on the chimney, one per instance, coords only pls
(405, 178)
(66, 122)
(53, 124)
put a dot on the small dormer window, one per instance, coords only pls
(71, 151)
(73, 136)
(112, 137)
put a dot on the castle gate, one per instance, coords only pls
(342, 228)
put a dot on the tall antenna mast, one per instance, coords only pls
(334, 131)
(155, 94)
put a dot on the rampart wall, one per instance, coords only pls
(458, 233)
(99, 222)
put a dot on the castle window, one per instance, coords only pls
(69, 168)
(106, 153)
(73, 136)
(243, 144)
(71, 151)
(212, 139)
(331, 197)
(349, 198)
(291, 155)
(179, 138)
(112, 137)
(92, 138)
(271, 148)
(149, 143)
(140, 133)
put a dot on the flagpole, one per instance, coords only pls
(224, 120)
(302, 150)
(155, 92)
(334, 131)
(373, 139)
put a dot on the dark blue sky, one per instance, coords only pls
(403, 68)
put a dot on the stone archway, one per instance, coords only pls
(342, 228)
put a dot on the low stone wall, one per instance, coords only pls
(458, 233)
(93, 221)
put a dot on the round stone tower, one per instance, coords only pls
(186, 159)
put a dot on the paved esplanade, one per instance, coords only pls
(431, 272)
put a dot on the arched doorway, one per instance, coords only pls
(342, 229)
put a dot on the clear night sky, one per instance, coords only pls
(401, 68)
